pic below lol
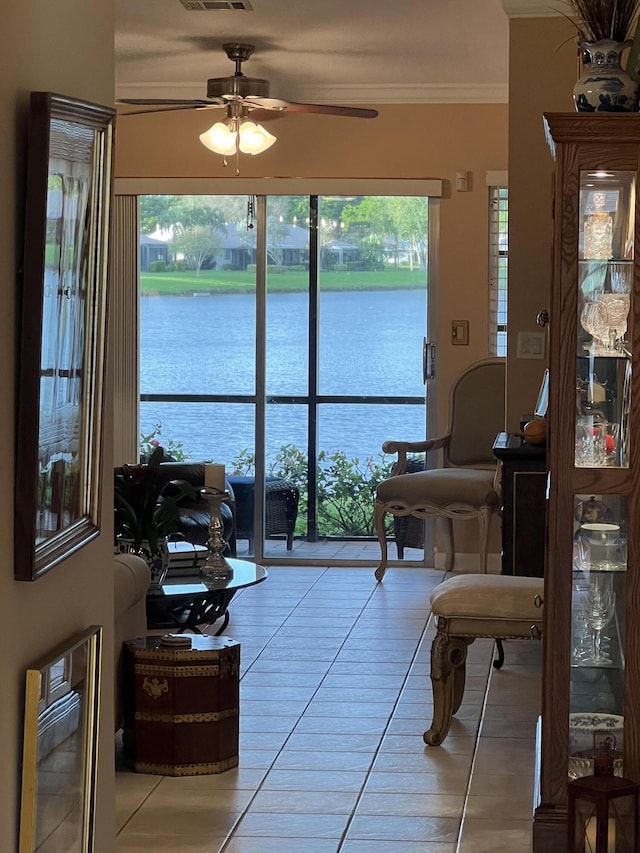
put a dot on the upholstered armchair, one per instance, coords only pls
(466, 486)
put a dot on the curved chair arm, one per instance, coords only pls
(404, 447)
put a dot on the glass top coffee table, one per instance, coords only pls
(183, 604)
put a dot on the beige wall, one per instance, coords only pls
(65, 47)
(543, 70)
(68, 48)
(419, 141)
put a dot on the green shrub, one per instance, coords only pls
(158, 266)
(149, 442)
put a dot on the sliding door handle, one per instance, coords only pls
(428, 361)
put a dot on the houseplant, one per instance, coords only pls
(144, 514)
(604, 29)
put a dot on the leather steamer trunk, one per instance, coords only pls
(181, 704)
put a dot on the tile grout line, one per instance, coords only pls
(351, 816)
(237, 823)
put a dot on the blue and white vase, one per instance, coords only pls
(605, 86)
(158, 560)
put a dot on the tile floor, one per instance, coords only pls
(335, 696)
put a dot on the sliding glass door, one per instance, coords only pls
(283, 336)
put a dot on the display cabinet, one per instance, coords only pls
(591, 643)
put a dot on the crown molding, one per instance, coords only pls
(533, 9)
(368, 93)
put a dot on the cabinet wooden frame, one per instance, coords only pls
(580, 143)
(62, 336)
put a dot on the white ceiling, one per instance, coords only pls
(325, 51)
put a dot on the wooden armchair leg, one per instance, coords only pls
(484, 525)
(449, 544)
(379, 515)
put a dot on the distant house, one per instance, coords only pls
(236, 248)
(337, 252)
(152, 250)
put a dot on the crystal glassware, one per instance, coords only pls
(591, 446)
(601, 547)
(215, 568)
(601, 601)
(604, 317)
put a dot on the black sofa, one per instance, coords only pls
(194, 513)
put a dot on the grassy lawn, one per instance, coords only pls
(215, 281)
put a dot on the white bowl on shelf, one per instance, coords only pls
(581, 747)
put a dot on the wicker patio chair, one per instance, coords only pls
(280, 505)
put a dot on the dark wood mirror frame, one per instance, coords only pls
(63, 319)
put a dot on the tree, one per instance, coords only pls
(370, 223)
(392, 218)
(279, 221)
(197, 244)
(411, 217)
(152, 210)
(178, 212)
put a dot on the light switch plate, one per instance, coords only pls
(460, 332)
(531, 344)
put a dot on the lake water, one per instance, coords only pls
(369, 343)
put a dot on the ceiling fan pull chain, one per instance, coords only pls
(251, 212)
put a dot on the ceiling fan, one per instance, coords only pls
(243, 95)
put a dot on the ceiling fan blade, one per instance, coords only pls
(328, 109)
(261, 115)
(165, 105)
(278, 106)
(275, 104)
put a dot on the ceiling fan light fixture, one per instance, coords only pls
(220, 139)
(251, 138)
(254, 139)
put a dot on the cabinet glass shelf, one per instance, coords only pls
(598, 585)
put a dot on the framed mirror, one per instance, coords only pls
(62, 343)
(59, 763)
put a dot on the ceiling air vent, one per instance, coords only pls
(217, 5)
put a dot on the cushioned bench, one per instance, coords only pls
(503, 607)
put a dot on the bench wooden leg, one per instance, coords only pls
(448, 659)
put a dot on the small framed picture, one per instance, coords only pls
(59, 762)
